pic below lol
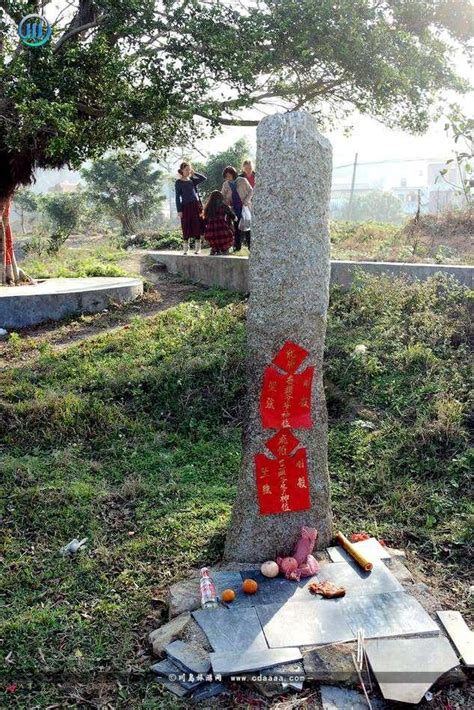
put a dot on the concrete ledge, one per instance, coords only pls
(53, 299)
(231, 272)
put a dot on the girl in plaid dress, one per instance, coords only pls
(219, 219)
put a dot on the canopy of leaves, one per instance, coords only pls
(212, 169)
(118, 72)
(127, 186)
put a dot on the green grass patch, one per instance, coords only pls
(75, 263)
(132, 438)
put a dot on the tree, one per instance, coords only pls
(63, 212)
(126, 186)
(212, 169)
(376, 205)
(159, 72)
(25, 202)
(462, 130)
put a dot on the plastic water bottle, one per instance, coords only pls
(208, 590)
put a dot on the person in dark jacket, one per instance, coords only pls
(189, 206)
(237, 193)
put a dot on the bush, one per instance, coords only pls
(152, 239)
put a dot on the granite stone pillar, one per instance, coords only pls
(289, 272)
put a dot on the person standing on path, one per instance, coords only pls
(189, 206)
(248, 172)
(237, 193)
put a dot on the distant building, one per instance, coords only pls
(65, 187)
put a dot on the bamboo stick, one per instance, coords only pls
(354, 552)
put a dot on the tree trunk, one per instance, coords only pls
(11, 274)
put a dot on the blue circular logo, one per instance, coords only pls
(34, 30)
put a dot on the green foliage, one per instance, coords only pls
(462, 130)
(132, 438)
(63, 212)
(133, 74)
(212, 169)
(126, 186)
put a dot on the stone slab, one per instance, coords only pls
(277, 590)
(460, 634)
(229, 663)
(304, 624)
(232, 630)
(371, 549)
(331, 664)
(333, 698)
(406, 668)
(231, 272)
(164, 635)
(53, 299)
(171, 673)
(385, 615)
(191, 658)
(357, 582)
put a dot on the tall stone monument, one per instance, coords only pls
(289, 272)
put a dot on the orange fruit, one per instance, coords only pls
(228, 595)
(249, 586)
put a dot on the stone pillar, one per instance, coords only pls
(289, 273)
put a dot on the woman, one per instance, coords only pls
(219, 218)
(237, 193)
(248, 172)
(189, 206)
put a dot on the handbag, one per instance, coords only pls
(245, 221)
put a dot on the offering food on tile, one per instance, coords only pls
(327, 589)
(228, 595)
(305, 544)
(287, 565)
(269, 569)
(354, 552)
(249, 586)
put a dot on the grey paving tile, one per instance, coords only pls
(357, 582)
(390, 614)
(303, 624)
(230, 630)
(229, 663)
(273, 591)
(170, 675)
(190, 657)
(406, 668)
(371, 549)
(460, 634)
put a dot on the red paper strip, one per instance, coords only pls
(290, 357)
(285, 400)
(282, 484)
(282, 443)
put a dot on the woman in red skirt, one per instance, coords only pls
(219, 217)
(189, 206)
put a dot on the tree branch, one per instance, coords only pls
(75, 32)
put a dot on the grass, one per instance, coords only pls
(74, 263)
(132, 438)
